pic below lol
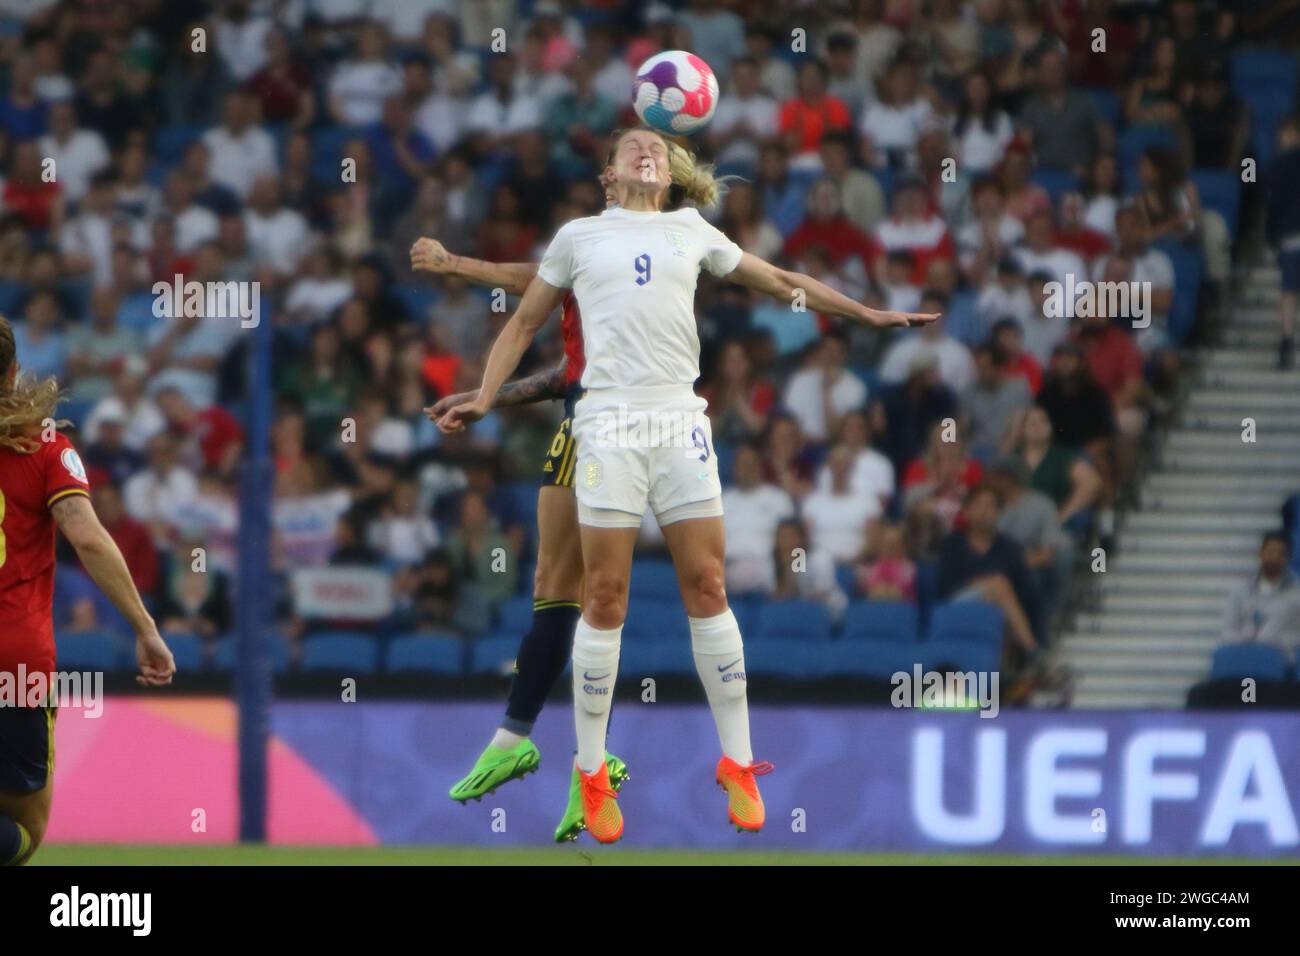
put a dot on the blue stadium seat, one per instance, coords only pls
(1220, 190)
(786, 658)
(1267, 110)
(516, 617)
(170, 142)
(976, 621)
(327, 150)
(523, 500)
(726, 454)
(90, 650)
(654, 579)
(187, 649)
(962, 320)
(1134, 141)
(418, 301)
(342, 652)
(654, 620)
(1107, 104)
(793, 620)
(1057, 182)
(493, 655)
(747, 608)
(433, 654)
(674, 658)
(878, 659)
(846, 576)
(1249, 659)
(960, 655)
(228, 650)
(527, 573)
(1254, 69)
(881, 621)
(639, 658)
(1188, 268)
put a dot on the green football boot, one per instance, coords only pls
(571, 823)
(495, 767)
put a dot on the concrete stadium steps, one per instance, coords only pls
(1165, 523)
(1154, 621)
(1119, 622)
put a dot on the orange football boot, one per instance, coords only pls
(744, 805)
(600, 812)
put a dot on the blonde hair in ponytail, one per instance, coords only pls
(692, 181)
(696, 180)
(26, 403)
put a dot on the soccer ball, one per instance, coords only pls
(675, 92)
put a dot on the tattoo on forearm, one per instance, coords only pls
(532, 388)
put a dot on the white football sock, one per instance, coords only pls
(595, 668)
(720, 662)
(506, 739)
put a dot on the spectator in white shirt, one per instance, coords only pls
(873, 473)
(806, 571)
(405, 19)
(838, 518)
(1006, 296)
(1047, 326)
(989, 235)
(241, 39)
(1040, 253)
(752, 509)
(981, 130)
(238, 150)
(77, 153)
(1266, 606)
(404, 534)
(278, 236)
(359, 86)
(192, 224)
(611, 75)
(157, 495)
(501, 110)
(893, 123)
(824, 390)
(86, 240)
(745, 117)
(956, 366)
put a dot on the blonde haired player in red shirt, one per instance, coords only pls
(43, 484)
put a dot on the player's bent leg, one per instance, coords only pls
(697, 545)
(545, 649)
(543, 652)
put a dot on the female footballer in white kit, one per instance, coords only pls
(633, 270)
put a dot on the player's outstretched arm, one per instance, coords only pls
(783, 286)
(430, 255)
(538, 303)
(107, 568)
(538, 387)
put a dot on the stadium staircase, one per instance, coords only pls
(1148, 629)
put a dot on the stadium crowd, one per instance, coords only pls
(953, 157)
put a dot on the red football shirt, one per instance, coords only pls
(571, 331)
(29, 485)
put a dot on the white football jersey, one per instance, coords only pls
(634, 275)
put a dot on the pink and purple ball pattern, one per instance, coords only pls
(675, 92)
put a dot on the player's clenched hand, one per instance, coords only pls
(155, 659)
(458, 417)
(444, 405)
(430, 255)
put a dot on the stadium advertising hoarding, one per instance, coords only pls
(1143, 783)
